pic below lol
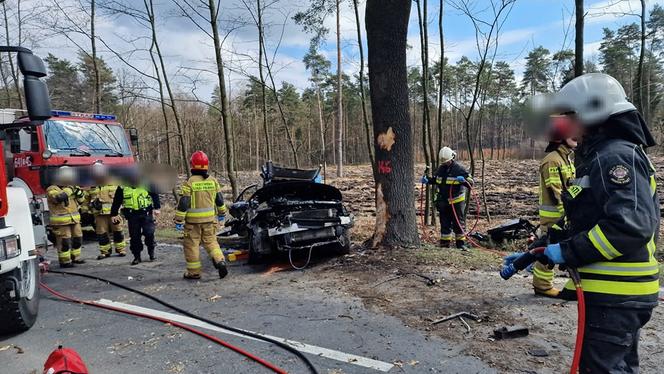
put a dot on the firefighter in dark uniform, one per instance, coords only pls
(140, 206)
(451, 180)
(612, 215)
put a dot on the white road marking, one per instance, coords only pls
(302, 347)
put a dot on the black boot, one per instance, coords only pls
(444, 243)
(461, 244)
(151, 254)
(221, 266)
(137, 260)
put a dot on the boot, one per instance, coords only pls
(462, 245)
(191, 276)
(103, 256)
(136, 261)
(444, 243)
(551, 292)
(67, 265)
(221, 266)
(78, 261)
(151, 253)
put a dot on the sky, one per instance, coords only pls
(189, 53)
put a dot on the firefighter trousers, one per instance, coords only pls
(196, 234)
(542, 276)
(68, 241)
(449, 224)
(104, 228)
(141, 225)
(611, 339)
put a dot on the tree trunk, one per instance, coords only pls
(95, 67)
(365, 117)
(322, 132)
(440, 80)
(639, 73)
(340, 127)
(12, 68)
(261, 48)
(225, 115)
(578, 42)
(387, 29)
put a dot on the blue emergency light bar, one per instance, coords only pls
(101, 117)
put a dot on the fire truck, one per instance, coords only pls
(19, 259)
(33, 153)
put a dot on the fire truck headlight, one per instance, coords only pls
(11, 247)
(47, 154)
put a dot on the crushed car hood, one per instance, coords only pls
(297, 190)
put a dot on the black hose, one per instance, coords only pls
(283, 345)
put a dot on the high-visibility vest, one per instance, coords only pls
(136, 198)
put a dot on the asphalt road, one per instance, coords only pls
(296, 305)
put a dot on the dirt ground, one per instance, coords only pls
(395, 282)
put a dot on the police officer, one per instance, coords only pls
(65, 220)
(451, 180)
(140, 205)
(100, 200)
(200, 207)
(556, 171)
(613, 216)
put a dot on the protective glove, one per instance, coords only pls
(221, 217)
(179, 227)
(97, 205)
(461, 179)
(424, 180)
(62, 197)
(116, 219)
(554, 253)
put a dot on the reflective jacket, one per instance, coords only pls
(63, 204)
(136, 198)
(201, 200)
(613, 216)
(556, 171)
(101, 199)
(445, 179)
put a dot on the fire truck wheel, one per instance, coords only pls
(344, 244)
(19, 313)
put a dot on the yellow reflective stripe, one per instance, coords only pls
(200, 212)
(653, 184)
(543, 274)
(121, 245)
(461, 237)
(457, 199)
(222, 209)
(447, 236)
(194, 265)
(185, 189)
(65, 218)
(651, 246)
(179, 213)
(76, 252)
(602, 244)
(627, 269)
(549, 181)
(617, 288)
(451, 180)
(549, 214)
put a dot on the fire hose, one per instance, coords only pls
(280, 344)
(535, 254)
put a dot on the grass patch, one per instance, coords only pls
(470, 259)
(168, 235)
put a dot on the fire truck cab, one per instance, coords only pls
(34, 152)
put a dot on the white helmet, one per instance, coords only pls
(593, 97)
(446, 154)
(65, 175)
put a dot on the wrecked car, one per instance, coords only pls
(291, 211)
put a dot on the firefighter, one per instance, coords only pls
(140, 206)
(612, 222)
(451, 180)
(65, 219)
(200, 207)
(100, 200)
(556, 171)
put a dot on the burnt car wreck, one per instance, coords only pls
(289, 212)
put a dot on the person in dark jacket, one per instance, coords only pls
(612, 222)
(451, 180)
(140, 206)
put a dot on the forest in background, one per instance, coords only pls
(475, 104)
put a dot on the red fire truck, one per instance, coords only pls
(34, 152)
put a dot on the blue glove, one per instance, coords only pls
(554, 253)
(424, 180)
(461, 179)
(221, 218)
(179, 227)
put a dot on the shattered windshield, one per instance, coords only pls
(86, 138)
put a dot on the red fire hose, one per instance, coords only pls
(223, 343)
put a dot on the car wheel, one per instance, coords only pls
(19, 314)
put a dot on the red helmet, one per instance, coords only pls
(561, 128)
(199, 161)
